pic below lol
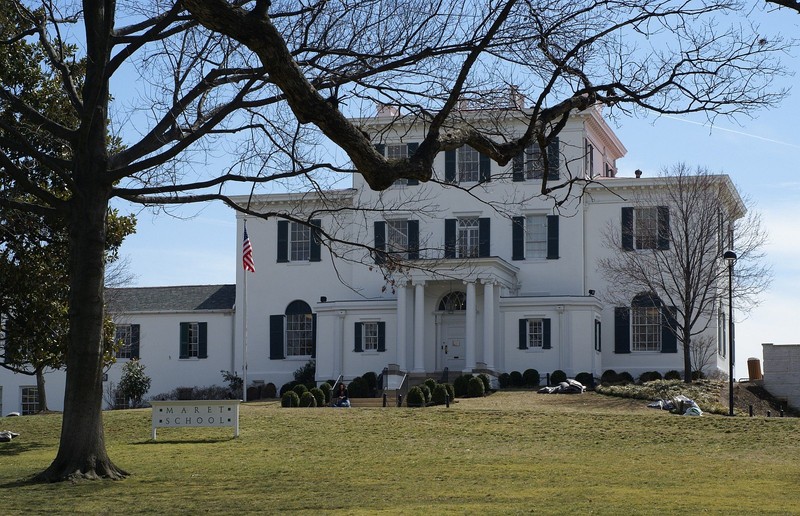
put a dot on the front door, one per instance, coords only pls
(452, 347)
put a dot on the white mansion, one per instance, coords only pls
(491, 277)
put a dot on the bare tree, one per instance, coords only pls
(702, 350)
(789, 4)
(229, 93)
(678, 266)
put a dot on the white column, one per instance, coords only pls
(419, 327)
(488, 323)
(470, 329)
(402, 324)
(339, 351)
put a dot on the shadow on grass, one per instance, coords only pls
(209, 440)
(19, 447)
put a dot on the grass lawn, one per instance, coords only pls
(511, 452)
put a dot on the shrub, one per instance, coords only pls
(426, 392)
(415, 397)
(586, 379)
(286, 387)
(290, 399)
(557, 377)
(461, 384)
(487, 384)
(269, 391)
(235, 383)
(625, 378)
(504, 379)
(450, 390)
(326, 390)
(698, 375)
(212, 392)
(439, 393)
(358, 388)
(307, 374)
(516, 379)
(673, 375)
(319, 396)
(134, 383)
(475, 387)
(531, 377)
(649, 376)
(300, 389)
(308, 400)
(431, 383)
(609, 376)
(371, 380)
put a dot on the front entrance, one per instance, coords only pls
(452, 345)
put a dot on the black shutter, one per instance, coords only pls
(622, 329)
(669, 326)
(135, 341)
(663, 227)
(380, 241)
(450, 166)
(553, 159)
(518, 167)
(485, 168)
(357, 345)
(276, 337)
(183, 351)
(450, 238)
(315, 254)
(552, 237)
(517, 238)
(484, 237)
(627, 229)
(413, 240)
(381, 336)
(283, 241)
(523, 334)
(202, 351)
(546, 334)
(313, 335)
(380, 148)
(412, 149)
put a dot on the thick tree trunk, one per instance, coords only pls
(41, 393)
(687, 357)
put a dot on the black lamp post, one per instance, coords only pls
(730, 259)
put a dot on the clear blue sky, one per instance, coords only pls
(760, 155)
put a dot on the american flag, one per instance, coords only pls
(247, 253)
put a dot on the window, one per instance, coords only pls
(588, 158)
(647, 325)
(536, 236)
(645, 228)
(646, 328)
(529, 164)
(534, 333)
(370, 336)
(298, 242)
(30, 400)
(396, 151)
(468, 164)
(467, 240)
(453, 302)
(193, 340)
(299, 329)
(397, 237)
(127, 335)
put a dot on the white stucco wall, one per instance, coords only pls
(782, 371)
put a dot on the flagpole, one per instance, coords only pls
(244, 341)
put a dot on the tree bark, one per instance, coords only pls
(41, 393)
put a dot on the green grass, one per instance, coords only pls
(512, 452)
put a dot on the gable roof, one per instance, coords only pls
(171, 299)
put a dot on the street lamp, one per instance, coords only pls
(730, 259)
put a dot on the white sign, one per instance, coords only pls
(176, 414)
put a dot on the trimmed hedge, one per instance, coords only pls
(426, 392)
(504, 379)
(673, 375)
(319, 396)
(358, 388)
(290, 399)
(475, 388)
(269, 391)
(308, 400)
(649, 376)
(586, 379)
(608, 376)
(438, 395)
(326, 390)
(461, 384)
(300, 389)
(450, 390)
(516, 379)
(557, 377)
(286, 387)
(531, 377)
(431, 383)
(487, 383)
(415, 397)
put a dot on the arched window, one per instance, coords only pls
(299, 329)
(453, 302)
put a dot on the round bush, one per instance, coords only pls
(557, 377)
(698, 375)
(308, 400)
(300, 389)
(358, 388)
(426, 392)
(461, 384)
(269, 391)
(586, 379)
(649, 376)
(319, 396)
(516, 379)
(326, 390)
(450, 390)
(290, 399)
(531, 377)
(286, 387)
(504, 379)
(438, 395)
(624, 378)
(431, 383)
(608, 376)
(371, 379)
(487, 383)
(673, 375)
(475, 388)
(415, 397)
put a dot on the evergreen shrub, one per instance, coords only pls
(649, 376)
(439, 393)
(358, 388)
(308, 400)
(531, 377)
(450, 390)
(475, 387)
(300, 389)
(371, 381)
(586, 379)
(673, 375)
(431, 383)
(487, 384)
(609, 376)
(426, 392)
(290, 399)
(286, 387)
(557, 377)
(460, 385)
(319, 396)
(326, 390)
(516, 379)
(415, 397)
(504, 379)
(269, 391)
(625, 378)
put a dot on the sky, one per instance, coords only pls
(199, 245)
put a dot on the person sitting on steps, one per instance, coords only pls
(342, 399)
